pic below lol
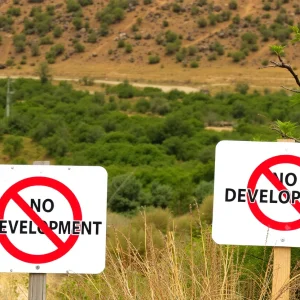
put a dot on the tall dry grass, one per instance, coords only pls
(156, 256)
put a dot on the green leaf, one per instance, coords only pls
(278, 49)
(296, 31)
(287, 128)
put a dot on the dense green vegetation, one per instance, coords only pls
(154, 145)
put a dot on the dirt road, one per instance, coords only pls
(164, 88)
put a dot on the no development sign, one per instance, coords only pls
(257, 194)
(52, 219)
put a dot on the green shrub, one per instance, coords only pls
(267, 6)
(55, 51)
(192, 50)
(202, 22)
(92, 37)
(77, 22)
(6, 23)
(57, 32)
(153, 59)
(172, 48)
(14, 11)
(104, 29)
(176, 8)
(147, 2)
(242, 88)
(73, 6)
(86, 81)
(50, 10)
(194, 64)
(134, 28)
(43, 72)
(237, 56)
(137, 36)
(128, 48)
(78, 47)
(142, 106)
(165, 23)
(19, 41)
(121, 44)
(46, 40)
(233, 5)
(212, 56)
(194, 10)
(85, 2)
(217, 47)
(10, 62)
(180, 56)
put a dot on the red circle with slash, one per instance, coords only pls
(62, 247)
(264, 169)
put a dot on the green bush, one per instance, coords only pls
(77, 22)
(237, 56)
(6, 23)
(202, 22)
(121, 44)
(176, 8)
(194, 64)
(153, 59)
(242, 88)
(57, 32)
(73, 6)
(217, 47)
(92, 37)
(233, 5)
(78, 47)
(46, 40)
(165, 23)
(19, 41)
(85, 2)
(14, 11)
(128, 48)
(55, 51)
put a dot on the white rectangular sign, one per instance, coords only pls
(52, 219)
(257, 194)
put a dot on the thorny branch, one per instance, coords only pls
(282, 64)
(282, 134)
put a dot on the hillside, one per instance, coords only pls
(192, 42)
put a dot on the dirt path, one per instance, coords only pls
(164, 88)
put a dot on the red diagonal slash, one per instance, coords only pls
(264, 169)
(37, 220)
(279, 186)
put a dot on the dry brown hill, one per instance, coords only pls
(199, 42)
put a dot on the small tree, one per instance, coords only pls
(286, 129)
(44, 72)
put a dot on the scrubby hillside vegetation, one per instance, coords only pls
(87, 35)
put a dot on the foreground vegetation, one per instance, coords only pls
(155, 255)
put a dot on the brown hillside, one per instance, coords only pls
(144, 27)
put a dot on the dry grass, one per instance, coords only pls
(181, 269)
(149, 264)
